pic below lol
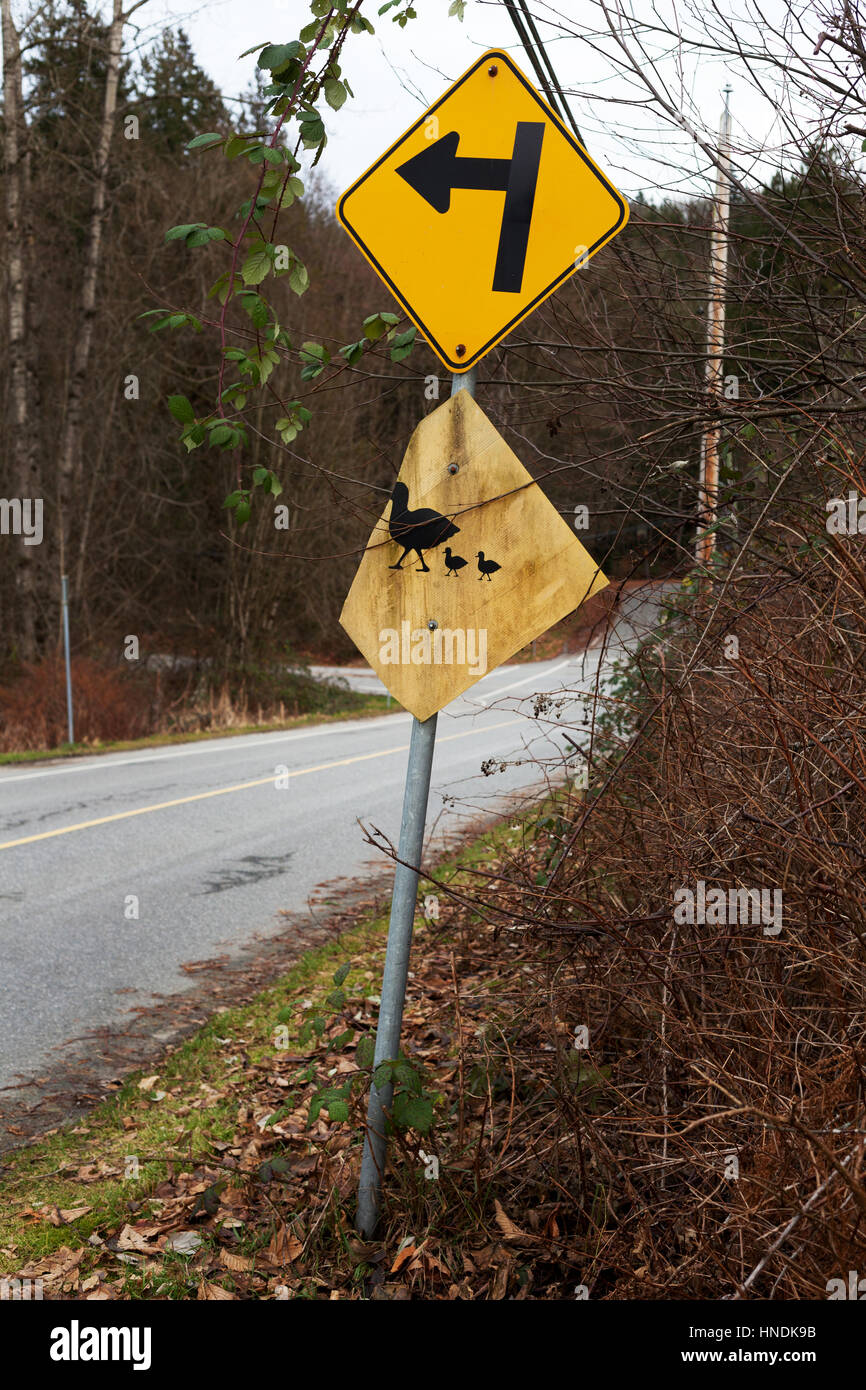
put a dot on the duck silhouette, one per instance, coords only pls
(486, 567)
(453, 563)
(419, 530)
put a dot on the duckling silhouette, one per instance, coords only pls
(453, 563)
(486, 567)
(422, 529)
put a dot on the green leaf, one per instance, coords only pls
(403, 344)
(299, 278)
(255, 306)
(242, 513)
(338, 1111)
(293, 189)
(256, 266)
(314, 358)
(377, 325)
(276, 56)
(336, 999)
(412, 1112)
(235, 145)
(202, 235)
(353, 352)
(181, 409)
(306, 1032)
(312, 128)
(458, 8)
(182, 232)
(291, 425)
(383, 1075)
(365, 1051)
(342, 1040)
(340, 975)
(335, 93)
(192, 437)
(201, 141)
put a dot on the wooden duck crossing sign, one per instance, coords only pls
(468, 564)
(481, 210)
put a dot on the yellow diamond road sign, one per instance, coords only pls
(468, 564)
(481, 210)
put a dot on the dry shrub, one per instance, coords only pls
(711, 1134)
(127, 702)
(108, 704)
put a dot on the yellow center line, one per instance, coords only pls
(241, 786)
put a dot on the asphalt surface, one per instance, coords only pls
(205, 845)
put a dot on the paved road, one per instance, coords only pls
(212, 848)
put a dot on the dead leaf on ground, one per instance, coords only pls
(138, 1238)
(74, 1213)
(239, 1264)
(212, 1293)
(408, 1252)
(284, 1248)
(183, 1242)
(507, 1226)
(55, 1266)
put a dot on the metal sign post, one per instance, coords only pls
(64, 589)
(402, 918)
(466, 267)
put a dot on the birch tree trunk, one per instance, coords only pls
(23, 452)
(69, 461)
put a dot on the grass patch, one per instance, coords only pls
(48, 1173)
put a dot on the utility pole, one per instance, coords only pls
(708, 486)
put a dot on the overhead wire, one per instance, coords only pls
(538, 56)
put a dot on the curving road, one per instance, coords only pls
(209, 842)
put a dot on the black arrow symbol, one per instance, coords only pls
(436, 171)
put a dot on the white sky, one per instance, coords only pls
(397, 72)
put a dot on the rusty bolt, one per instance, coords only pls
(460, 349)
(492, 70)
(432, 624)
(454, 468)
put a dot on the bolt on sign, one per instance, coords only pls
(468, 564)
(481, 210)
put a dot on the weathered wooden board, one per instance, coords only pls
(459, 467)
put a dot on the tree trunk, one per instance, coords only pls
(23, 453)
(69, 463)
